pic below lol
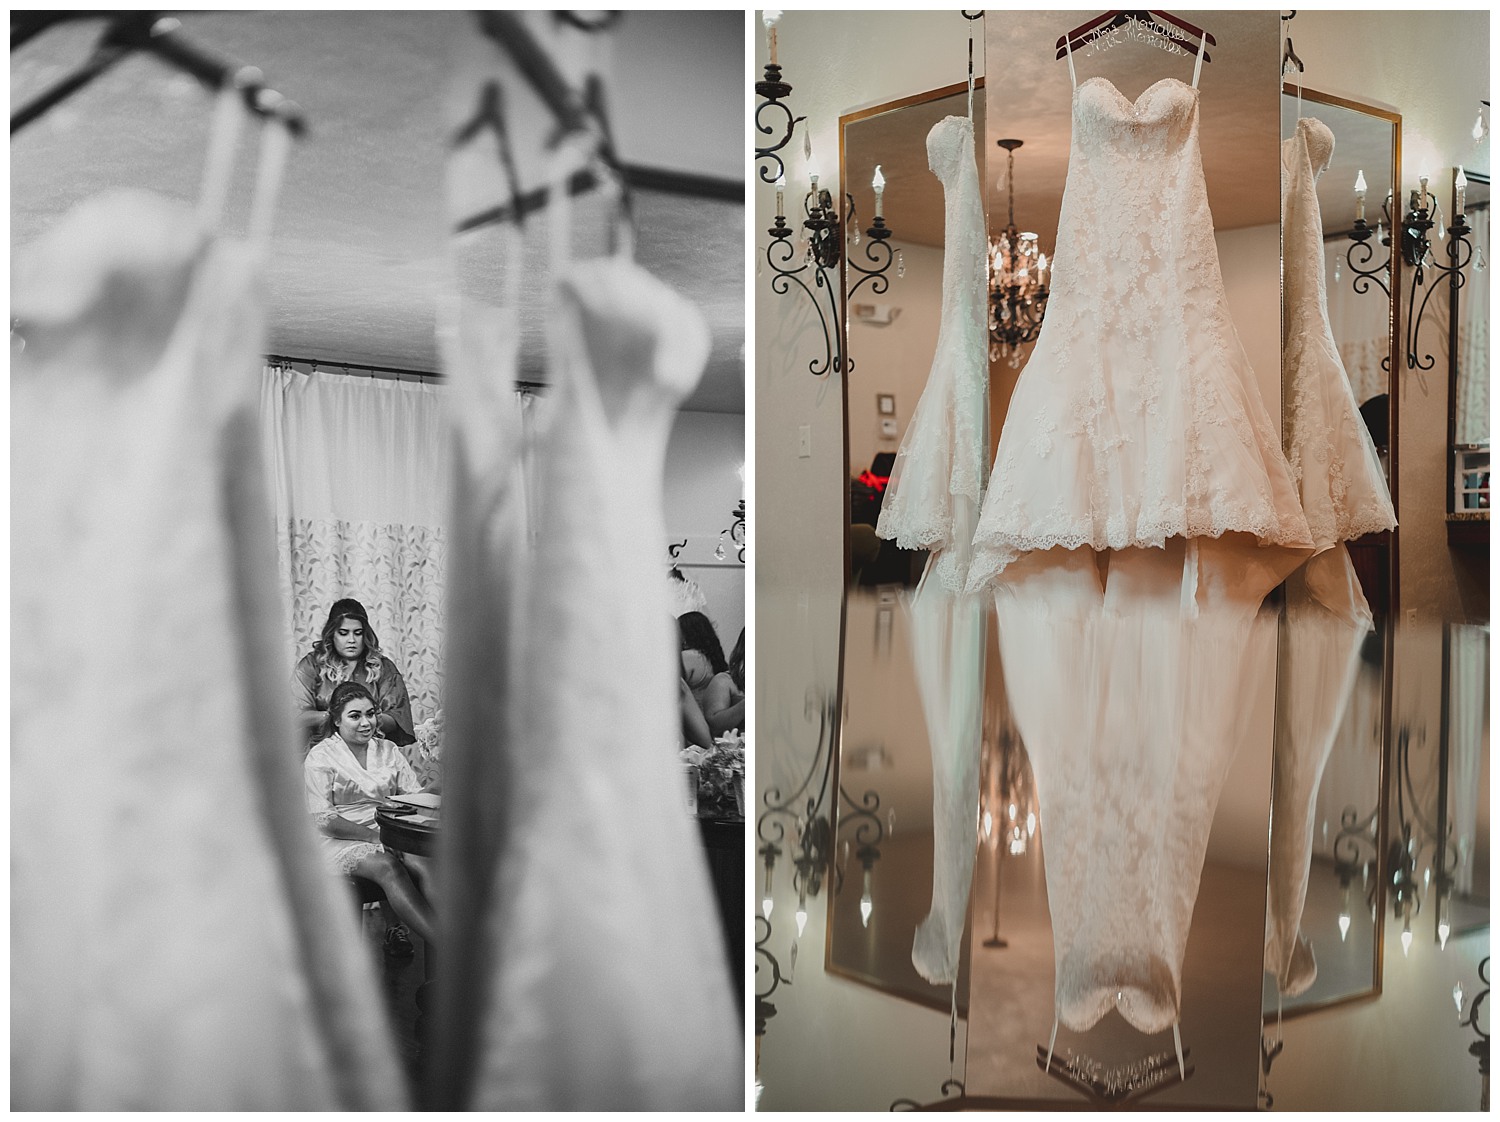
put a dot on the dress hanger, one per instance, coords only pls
(1193, 36)
(128, 32)
(1290, 54)
(491, 115)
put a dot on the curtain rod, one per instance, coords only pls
(423, 375)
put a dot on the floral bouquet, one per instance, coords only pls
(425, 756)
(721, 775)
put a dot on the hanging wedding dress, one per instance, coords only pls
(595, 978)
(1137, 417)
(176, 942)
(937, 482)
(1136, 430)
(932, 503)
(1343, 491)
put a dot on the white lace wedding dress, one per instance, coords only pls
(1343, 491)
(176, 941)
(1137, 418)
(937, 483)
(586, 964)
(932, 503)
(1136, 430)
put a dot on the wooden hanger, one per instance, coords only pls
(1193, 35)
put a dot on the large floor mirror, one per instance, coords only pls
(1334, 690)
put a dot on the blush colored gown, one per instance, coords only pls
(1139, 510)
(1137, 417)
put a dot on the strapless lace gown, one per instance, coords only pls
(932, 503)
(1339, 479)
(177, 943)
(592, 967)
(1137, 418)
(937, 483)
(1344, 493)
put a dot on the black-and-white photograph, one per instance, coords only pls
(378, 586)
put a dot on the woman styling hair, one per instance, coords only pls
(348, 651)
(346, 776)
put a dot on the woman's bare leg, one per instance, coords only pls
(409, 904)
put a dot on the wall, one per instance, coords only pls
(835, 62)
(1433, 69)
(705, 456)
(835, 1044)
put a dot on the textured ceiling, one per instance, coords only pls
(360, 255)
(1028, 97)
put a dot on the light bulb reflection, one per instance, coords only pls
(1406, 942)
(766, 905)
(1443, 930)
(1343, 926)
(866, 906)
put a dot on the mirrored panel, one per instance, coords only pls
(1469, 494)
(1333, 701)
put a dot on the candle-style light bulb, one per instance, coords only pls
(1343, 926)
(781, 195)
(770, 18)
(866, 904)
(879, 184)
(1360, 187)
(1422, 199)
(1460, 184)
(1478, 131)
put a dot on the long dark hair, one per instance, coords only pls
(698, 635)
(331, 668)
(339, 700)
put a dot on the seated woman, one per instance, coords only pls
(707, 674)
(348, 651)
(347, 775)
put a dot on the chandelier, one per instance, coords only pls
(1018, 278)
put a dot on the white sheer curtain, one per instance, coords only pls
(358, 473)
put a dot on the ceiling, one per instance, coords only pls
(361, 255)
(1028, 97)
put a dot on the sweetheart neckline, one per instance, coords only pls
(1136, 103)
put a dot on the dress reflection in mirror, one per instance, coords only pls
(1136, 430)
(1343, 490)
(932, 503)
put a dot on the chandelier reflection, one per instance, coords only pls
(1018, 278)
(1007, 803)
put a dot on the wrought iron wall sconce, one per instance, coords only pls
(774, 91)
(1364, 269)
(1421, 217)
(735, 533)
(799, 826)
(820, 250)
(1480, 1049)
(821, 258)
(1356, 853)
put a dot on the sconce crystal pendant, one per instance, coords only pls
(1018, 278)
